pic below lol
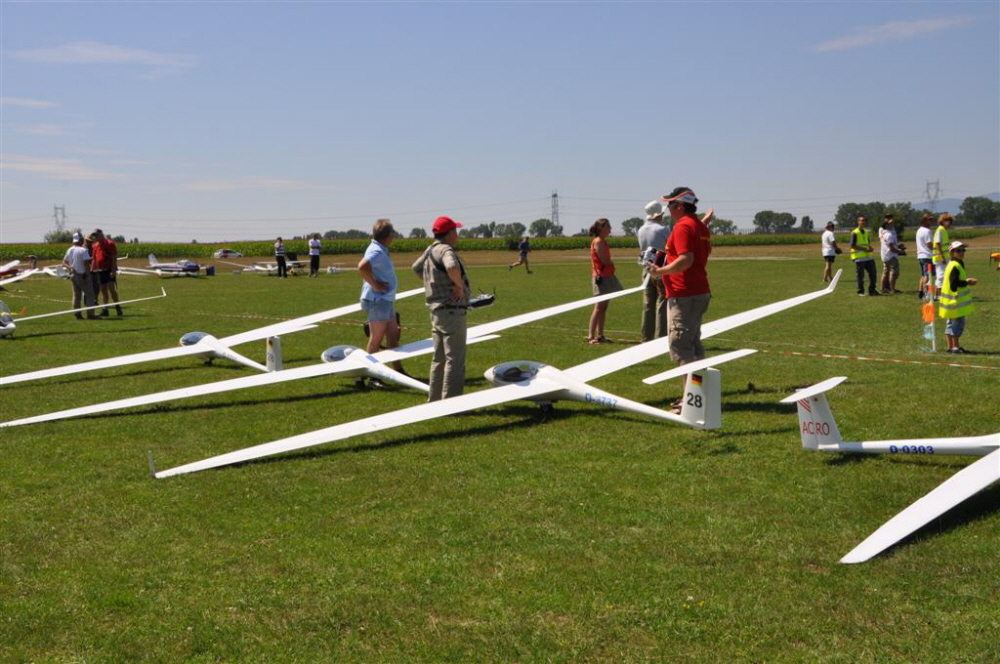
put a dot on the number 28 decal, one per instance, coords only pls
(694, 399)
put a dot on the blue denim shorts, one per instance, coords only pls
(379, 311)
(955, 326)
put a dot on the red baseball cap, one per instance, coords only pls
(444, 225)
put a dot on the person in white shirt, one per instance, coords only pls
(890, 255)
(653, 235)
(829, 250)
(314, 247)
(77, 261)
(925, 255)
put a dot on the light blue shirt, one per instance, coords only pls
(377, 256)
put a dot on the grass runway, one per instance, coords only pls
(501, 535)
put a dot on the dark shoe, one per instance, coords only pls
(93, 318)
(874, 294)
(79, 317)
(105, 312)
(119, 310)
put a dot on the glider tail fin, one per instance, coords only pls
(702, 400)
(816, 422)
(152, 260)
(274, 353)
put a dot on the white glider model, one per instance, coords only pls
(8, 324)
(542, 383)
(344, 361)
(820, 433)
(201, 344)
(181, 268)
(270, 268)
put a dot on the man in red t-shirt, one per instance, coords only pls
(684, 275)
(105, 266)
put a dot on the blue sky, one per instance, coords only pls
(223, 121)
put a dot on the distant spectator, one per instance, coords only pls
(889, 251)
(523, 248)
(279, 257)
(861, 254)
(105, 266)
(77, 261)
(925, 255)
(939, 248)
(652, 237)
(955, 301)
(602, 270)
(314, 248)
(828, 242)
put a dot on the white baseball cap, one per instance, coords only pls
(654, 209)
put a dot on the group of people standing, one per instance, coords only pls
(446, 290)
(939, 259)
(677, 292)
(92, 262)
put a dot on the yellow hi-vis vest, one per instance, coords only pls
(861, 239)
(939, 245)
(954, 304)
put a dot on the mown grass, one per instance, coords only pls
(501, 535)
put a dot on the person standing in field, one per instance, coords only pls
(652, 236)
(105, 266)
(523, 248)
(378, 292)
(861, 254)
(955, 300)
(314, 248)
(602, 270)
(685, 277)
(828, 242)
(279, 257)
(77, 261)
(446, 288)
(939, 248)
(925, 255)
(889, 251)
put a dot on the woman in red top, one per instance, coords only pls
(603, 274)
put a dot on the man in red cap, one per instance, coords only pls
(446, 287)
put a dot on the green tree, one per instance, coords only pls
(514, 229)
(720, 226)
(769, 221)
(806, 224)
(979, 210)
(630, 226)
(61, 237)
(418, 233)
(848, 213)
(544, 227)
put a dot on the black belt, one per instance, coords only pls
(454, 306)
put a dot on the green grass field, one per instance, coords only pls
(502, 535)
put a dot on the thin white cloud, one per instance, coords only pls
(54, 169)
(96, 53)
(236, 184)
(894, 31)
(27, 103)
(43, 130)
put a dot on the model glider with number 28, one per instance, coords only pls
(539, 382)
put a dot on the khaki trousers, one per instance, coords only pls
(448, 327)
(654, 310)
(83, 286)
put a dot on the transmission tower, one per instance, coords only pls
(932, 193)
(59, 217)
(555, 208)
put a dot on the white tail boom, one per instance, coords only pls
(819, 432)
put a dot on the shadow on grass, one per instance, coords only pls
(530, 416)
(38, 335)
(980, 506)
